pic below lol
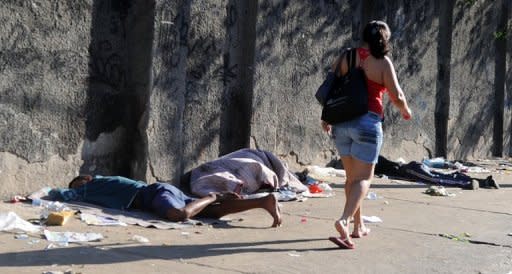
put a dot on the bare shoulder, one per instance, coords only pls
(387, 63)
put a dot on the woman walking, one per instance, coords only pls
(359, 141)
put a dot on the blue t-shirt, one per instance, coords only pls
(108, 191)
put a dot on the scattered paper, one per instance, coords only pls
(372, 219)
(92, 219)
(11, 221)
(71, 237)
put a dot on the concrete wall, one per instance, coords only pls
(151, 88)
(43, 83)
(296, 41)
(472, 79)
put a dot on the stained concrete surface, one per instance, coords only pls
(406, 241)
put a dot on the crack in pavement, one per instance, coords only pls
(443, 235)
(448, 206)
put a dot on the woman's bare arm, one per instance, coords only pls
(395, 91)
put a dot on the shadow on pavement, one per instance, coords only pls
(107, 254)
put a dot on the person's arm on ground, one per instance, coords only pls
(395, 91)
(62, 194)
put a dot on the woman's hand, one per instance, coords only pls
(406, 113)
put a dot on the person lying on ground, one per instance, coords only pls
(164, 199)
(419, 172)
(245, 171)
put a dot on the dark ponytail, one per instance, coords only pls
(376, 34)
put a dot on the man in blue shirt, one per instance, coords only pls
(164, 199)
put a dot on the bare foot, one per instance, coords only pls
(271, 205)
(360, 232)
(228, 195)
(342, 228)
(360, 228)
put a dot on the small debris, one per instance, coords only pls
(21, 236)
(140, 239)
(371, 196)
(438, 191)
(461, 238)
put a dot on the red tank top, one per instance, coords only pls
(375, 90)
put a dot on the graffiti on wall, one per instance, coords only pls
(106, 65)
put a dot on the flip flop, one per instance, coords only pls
(364, 233)
(342, 243)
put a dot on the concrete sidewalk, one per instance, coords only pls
(406, 241)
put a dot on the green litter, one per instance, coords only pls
(464, 237)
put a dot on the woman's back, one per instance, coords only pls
(374, 68)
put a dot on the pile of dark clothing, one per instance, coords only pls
(419, 172)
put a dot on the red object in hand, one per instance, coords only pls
(314, 189)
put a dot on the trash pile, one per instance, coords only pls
(442, 163)
(51, 213)
(318, 180)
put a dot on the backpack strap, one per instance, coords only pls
(351, 58)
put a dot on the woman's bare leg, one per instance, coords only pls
(358, 187)
(347, 165)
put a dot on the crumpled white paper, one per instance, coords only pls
(11, 221)
(371, 219)
(71, 237)
(92, 219)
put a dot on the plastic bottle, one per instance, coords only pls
(43, 205)
(37, 202)
(435, 163)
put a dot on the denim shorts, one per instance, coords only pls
(160, 197)
(360, 138)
